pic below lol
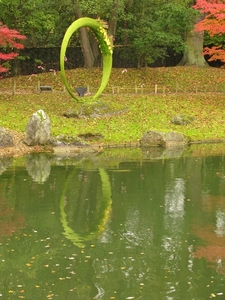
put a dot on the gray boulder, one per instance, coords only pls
(38, 130)
(182, 119)
(94, 110)
(163, 139)
(6, 140)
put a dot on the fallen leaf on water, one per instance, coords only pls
(28, 265)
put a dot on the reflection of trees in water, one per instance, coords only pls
(145, 249)
(11, 220)
(212, 234)
(173, 222)
(214, 249)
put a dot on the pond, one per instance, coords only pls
(113, 227)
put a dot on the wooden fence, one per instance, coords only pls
(117, 90)
(173, 89)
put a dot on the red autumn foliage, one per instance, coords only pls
(8, 38)
(213, 23)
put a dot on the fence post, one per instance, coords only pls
(216, 88)
(136, 89)
(14, 87)
(38, 86)
(156, 88)
(176, 87)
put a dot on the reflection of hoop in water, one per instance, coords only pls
(78, 239)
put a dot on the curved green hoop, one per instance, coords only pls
(98, 28)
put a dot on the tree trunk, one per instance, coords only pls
(193, 54)
(96, 51)
(85, 43)
(113, 19)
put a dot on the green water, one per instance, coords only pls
(88, 229)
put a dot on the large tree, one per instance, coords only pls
(213, 22)
(110, 12)
(153, 27)
(35, 18)
(193, 53)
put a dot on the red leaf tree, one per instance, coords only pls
(9, 39)
(213, 23)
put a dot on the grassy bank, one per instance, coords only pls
(190, 91)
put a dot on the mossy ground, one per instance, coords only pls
(196, 92)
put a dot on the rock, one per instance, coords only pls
(94, 110)
(70, 114)
(89, 136)
(182, 120)
(163, 139)
(6, 140)
(38, 129)
(66, 140)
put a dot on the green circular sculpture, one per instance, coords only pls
(98, 27)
